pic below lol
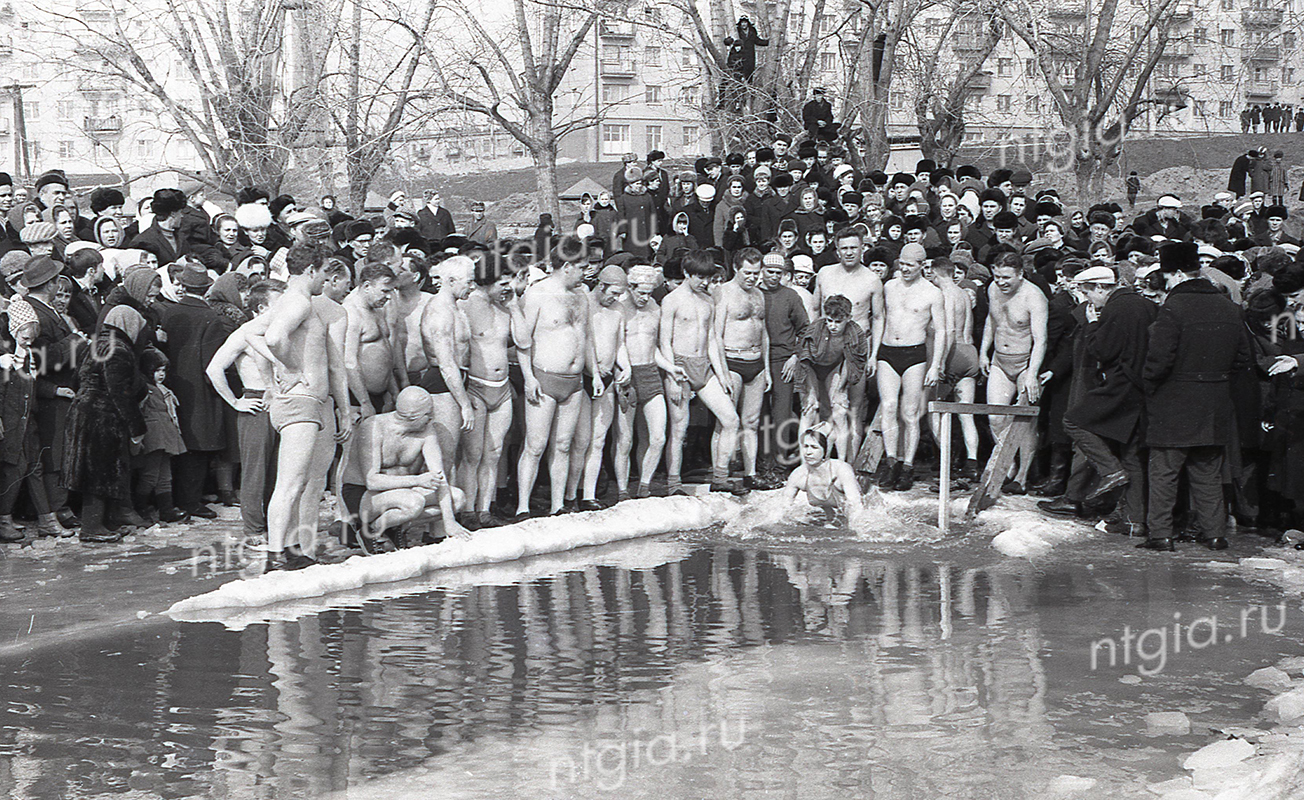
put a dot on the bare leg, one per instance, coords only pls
(473, 453)
(448, 429)
(889, 398)
(579, 451)
(496, 428)
(856, 393)
(654, 413)
(603, 410)
(563, 438)
(310, 502)
(293, 460)
(964, 392)
(538, 428)
(753, 396)
(719, 403)
(624, 445)
(734, 396)
(678, 413)
(912, 409)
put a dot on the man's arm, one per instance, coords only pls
(1038, 313)
(430, 452)
(937, 315)
(438, 331)
(340, 379)
(352, 345)
(222, 360)
(523, 325)
(372, 461)
(284, 320)
(877, 321)
(398, 335)
(715, 348)
(989, 333)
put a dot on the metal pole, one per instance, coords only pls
(944, 488)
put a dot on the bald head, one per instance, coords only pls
(413, 401)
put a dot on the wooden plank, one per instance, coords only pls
(1012, 440)
(944, 488)
(871, 448)
(982, 409)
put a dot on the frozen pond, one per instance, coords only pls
(704, 667)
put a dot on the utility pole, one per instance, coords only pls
(22, 164)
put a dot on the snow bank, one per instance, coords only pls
(629, 520)
(1026, 532)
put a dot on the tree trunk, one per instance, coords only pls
(545, 176)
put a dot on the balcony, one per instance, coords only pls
(968, 43)
(1262, 17)
(980, 83)
(102, 126)
(1263, 53)
(1182, 12)
(619, 69)
(6, 49)
(1071, 10)
(1261, 89)
(615, 29)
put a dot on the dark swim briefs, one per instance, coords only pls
(557, 385)
(698, 370)
(607, 379)
(901, 358)
(492, 393)
(747, 368)
(646, 381)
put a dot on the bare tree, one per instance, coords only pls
(1097, 63)
(514, 76)
(968, 34)
(214, 70)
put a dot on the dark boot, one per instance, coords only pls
(123, 515)
(1057, 479)
(8, 533)
(92, 522)
(167, 510)
(1061, 507)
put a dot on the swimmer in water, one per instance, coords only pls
(829, 483)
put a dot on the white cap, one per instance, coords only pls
(1096, 275)
(803, 262)
(1169, 201)
(1208, 250)
(842, 169)
(1222, 197)
(705, 192)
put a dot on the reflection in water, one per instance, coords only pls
(802, 675)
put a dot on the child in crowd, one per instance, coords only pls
(153, 465)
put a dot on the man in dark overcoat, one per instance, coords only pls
(194, 333)
(1197, 341)
(1106, 422)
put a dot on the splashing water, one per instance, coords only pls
(899, 518)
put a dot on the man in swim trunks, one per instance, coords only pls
(960, 369)
(1014, 344)
(913, 309)
(309, 372)
(645, 393)
(607, 322)
(446, 338)
(689, 334)
(553, 343)
(856, 282)
(368, 341)
(398, 472)
(740, 319)
(489, 312)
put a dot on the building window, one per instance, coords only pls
(31, 110)
(1226, 73)
(613, 92)
(1005, 67)
(1227, 37)
(688, 95)
(686, 57)
(652, 56)
(1260, 74)
(1199, 70)
(1228, 5)
(932, 27)
(1288, 40)
(67, 150)
(1200, 108)
(652, 138)
(615, 140)
(1287, 74)
(1003, 103)
(1201, 35)
(1224, 108)
(67, 110)
(1030, 67)
(828, 61)
(1034, 104)
(973, 102)
(690, 136)
(653, 94)
(142, 148)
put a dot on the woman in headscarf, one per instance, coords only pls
(105, 422)
(20, 447)
(140, 290)
(226, 296)
(108, 232)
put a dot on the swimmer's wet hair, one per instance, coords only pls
(837, 308)
(819, 437)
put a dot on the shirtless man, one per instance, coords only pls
(256, 437)
(397, 476)
(913, 307)
(740, 324)
(309, 372)
(1014, 344)
(489, 311)
(368, 340)
(856, 282)
(689, 334)
(960, 367)
(645, 394)
(409, 306)
(607, 318)
(553, 344)
(446, 339)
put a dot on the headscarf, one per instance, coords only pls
(20, 313)
(226, 289)
(100, 222)
(171, 290)
(138, 282)
(126, 319)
